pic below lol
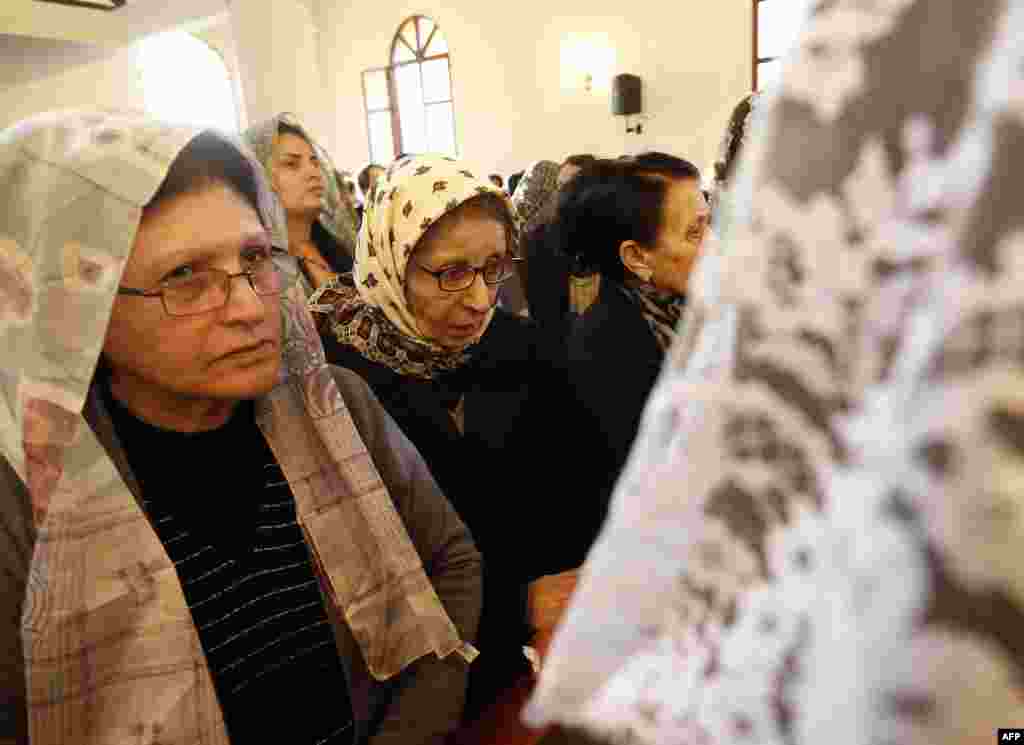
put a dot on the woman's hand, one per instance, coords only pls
(548, 599)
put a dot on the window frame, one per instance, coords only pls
(419, 59)
(758, 60)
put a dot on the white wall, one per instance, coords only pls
(111, 81)
(307, 56)
(220, 36)
(511, 107)
(119, 27)
(279, 64)
(43, 75)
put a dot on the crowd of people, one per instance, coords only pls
(294, 454)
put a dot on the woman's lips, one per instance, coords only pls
(259, 348)
(463, 330)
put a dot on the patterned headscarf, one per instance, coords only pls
(106, 628)
(826, 508)
(536, 195)
(368, 310)
(336, 215)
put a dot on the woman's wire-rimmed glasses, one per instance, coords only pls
(270, 273)
(462, 276)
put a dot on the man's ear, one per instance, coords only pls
(634, 258)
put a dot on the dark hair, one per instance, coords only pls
(514, 179)
(207, 160)
(364, 177)
(496, 177)
(579, 161)
(613, 201)
(663, 164)
(489, 203)
(735, 133)
(283, 128)
(333, 252)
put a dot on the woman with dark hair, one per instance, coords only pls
(828, 520)
(733, 141)
(319, 225)
(513, 181)
(212, 536)
(368, 177)
(640, 224)
(473, 386)
(572, 165)
(535, 199)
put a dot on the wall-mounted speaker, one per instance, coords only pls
(627, 95)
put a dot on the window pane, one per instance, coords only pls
(209, 98)
(441, 129)
(768, 74)
(382, 144)
(402, 52)
(410, 108)
(437, 84)
(376, 82)
(408, 30)
(437, 45)
(426, 26)
(778, 25)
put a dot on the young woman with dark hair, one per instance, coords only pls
(319, 223)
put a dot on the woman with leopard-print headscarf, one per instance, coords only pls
(474, 387)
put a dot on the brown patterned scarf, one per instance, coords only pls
(341, 311)
(661, 310)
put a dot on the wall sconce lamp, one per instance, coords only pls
(628, 100)
(587, 62)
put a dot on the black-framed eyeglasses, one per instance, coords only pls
(270, 272)
(461, 277)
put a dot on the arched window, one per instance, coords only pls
(409, 106)
(184, 80)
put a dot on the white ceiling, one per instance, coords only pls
(136, 19)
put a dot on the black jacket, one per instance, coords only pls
(614, 360)
(546, 280)
(335, 253)
(508, 475)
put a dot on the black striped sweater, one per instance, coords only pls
(226, 517)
